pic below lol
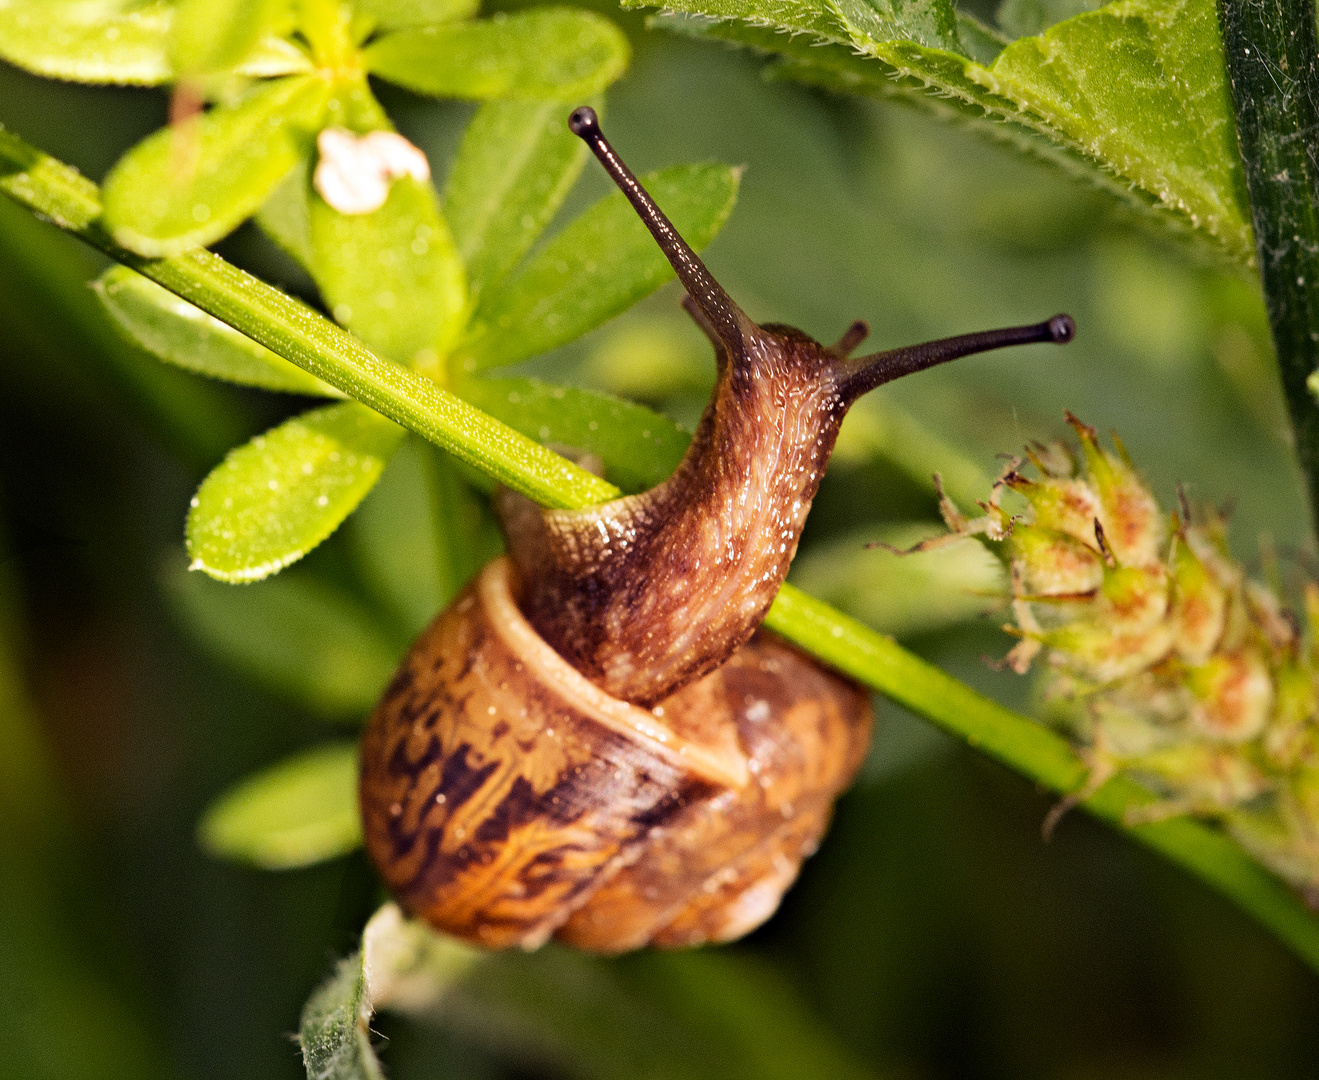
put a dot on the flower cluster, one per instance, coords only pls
(1162, 658)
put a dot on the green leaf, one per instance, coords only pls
(517, 162)
(1273, 62)
(285, 216)
(393, 276)
(306, 641)
(214, 35)
(561, 54)
(403, 14)
(902, 594)
(601, 264)
(420, 535)
(639, 446)
(274, 499)
(1131, 98)
(334, 1030)
(1139, 86)
(97, 42)
(187, 186)
(297, 813)
(112, 41)
(931, 23)
(399, 961)
(172, 330)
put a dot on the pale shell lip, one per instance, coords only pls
(493, 587)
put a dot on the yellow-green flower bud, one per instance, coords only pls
(1234, 696)
(1199, 606)
(1164, 659)
(1055, 564)
(1132, 522)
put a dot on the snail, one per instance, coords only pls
(594, 741)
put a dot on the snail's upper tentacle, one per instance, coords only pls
(644, 594)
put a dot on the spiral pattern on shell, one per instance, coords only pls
(507, 799)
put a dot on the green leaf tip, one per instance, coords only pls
(294, 814)
(274, 499)
(550, 53)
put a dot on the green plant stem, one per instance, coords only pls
(1040, 754)
(1273, 74)
(291, 329)
(317, 345)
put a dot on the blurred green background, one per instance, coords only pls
(934, 935)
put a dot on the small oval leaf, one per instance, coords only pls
(215, 35)
(97, 43)
(304, 640)
(546, 53)
(516, 164)
(639, 446)
(274, 499)
(189, 185)
(392, 276)
(297, 813)
(115, 41)
(173, 330)
(598, 266)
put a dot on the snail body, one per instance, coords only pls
(595, 741)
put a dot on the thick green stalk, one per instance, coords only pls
(294, 331)
(317, 345)
(1273, 71)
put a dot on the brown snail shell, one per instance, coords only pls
(589, 742)
(506, 798)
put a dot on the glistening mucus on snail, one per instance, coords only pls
(594, 742)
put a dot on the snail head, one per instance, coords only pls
(648, 592)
